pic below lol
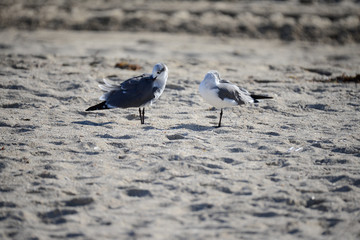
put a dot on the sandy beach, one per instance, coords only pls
(286, 168)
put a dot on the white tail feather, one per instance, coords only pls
(107, 87)
(104, 97)
(104, 88)
(107, 83)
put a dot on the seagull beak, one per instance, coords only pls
(159, 72)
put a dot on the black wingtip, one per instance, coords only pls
(99, 106)
(258, 97)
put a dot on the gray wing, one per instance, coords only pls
(231, 91)
(134, 81)
(134, 92)
(224, 81)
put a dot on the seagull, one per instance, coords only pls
(140, 91)
(221, 93)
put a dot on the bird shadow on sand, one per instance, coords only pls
(194, 127)
(90, 123)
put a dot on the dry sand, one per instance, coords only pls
(287, 168)
(310, 20)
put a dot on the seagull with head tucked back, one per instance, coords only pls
(221, 93)
(139, 91)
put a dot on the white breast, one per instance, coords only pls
(210, 95)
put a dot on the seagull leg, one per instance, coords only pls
(221, 113)
(143, 116)
(140, 116)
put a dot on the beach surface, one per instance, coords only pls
(286, 168)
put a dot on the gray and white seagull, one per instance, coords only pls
(139, 91)
(221, 93)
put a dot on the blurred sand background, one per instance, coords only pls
(287, 168)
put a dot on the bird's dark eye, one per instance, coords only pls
(158, 72)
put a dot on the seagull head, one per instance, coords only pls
(212, 77)
(160, 72)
